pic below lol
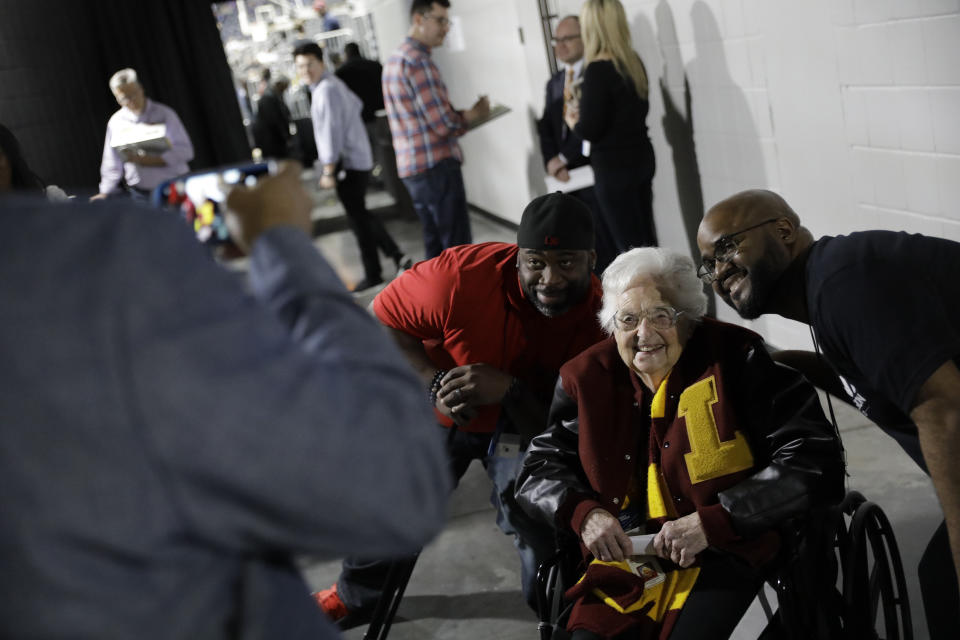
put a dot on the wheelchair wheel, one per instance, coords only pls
(874, 589)
(554, 576)
(546, 594)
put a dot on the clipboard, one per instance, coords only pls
(580, 178)
(149, 138)
(496, 111)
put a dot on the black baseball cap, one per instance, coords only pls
(556, 221)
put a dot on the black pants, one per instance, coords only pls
(368, 229)
(722, 594)
(625, 202)
(605, 246)
(938, 585)
(383, 154)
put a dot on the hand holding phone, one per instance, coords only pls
(278, 200)
(199, 197)
(261, 196)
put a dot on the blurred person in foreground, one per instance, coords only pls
(170, 442)
(682, 426)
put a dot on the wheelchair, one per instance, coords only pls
(839, 575)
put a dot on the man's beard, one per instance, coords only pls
(754, 305)
(750, 309)
(575, 292)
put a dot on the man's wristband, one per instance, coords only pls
(435, 385)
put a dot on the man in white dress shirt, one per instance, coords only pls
(140, 172)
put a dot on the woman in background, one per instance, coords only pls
(15, 175)
(611, 113)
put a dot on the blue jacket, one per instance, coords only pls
(169, 442)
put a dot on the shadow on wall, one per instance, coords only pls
(729, 149)
(678, 125)
(677, 120)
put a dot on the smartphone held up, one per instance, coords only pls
(200, 197)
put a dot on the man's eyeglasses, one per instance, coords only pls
(725, 249)
(442, 21)
(564, 39)
(661, 318)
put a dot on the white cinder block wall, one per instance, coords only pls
(848, 108)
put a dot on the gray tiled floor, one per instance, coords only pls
(466, 583)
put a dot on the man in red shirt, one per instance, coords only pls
(487, 327)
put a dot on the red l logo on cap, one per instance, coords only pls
(551, 241)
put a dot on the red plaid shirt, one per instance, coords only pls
(423, 124)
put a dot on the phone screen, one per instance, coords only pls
(200, 197)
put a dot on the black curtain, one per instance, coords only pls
(56, 57)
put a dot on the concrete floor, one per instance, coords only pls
(466, 584)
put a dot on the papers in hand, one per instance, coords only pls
(150, 138)
(643, 545)
(496, 111)
(580, 178)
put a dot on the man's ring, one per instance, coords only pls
(459, 395)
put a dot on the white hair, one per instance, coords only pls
(122, 77)
(674, 274)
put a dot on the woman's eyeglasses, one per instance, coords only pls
(662, 318)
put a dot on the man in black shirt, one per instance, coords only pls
(884, 307)
(363, 77)
(271, 126)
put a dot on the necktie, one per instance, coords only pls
(567, 92)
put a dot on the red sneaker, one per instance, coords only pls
(330, 602)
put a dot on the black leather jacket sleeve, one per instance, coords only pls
(791, 436)
(551, 473)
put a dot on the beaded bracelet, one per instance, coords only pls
(435, 386)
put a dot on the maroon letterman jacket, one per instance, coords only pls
(733, 435)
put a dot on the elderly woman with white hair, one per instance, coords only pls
(683, 427)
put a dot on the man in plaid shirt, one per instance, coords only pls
(425, 129)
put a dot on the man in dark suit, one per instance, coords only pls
(562, 149)
(271, 126)
(363, 78)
